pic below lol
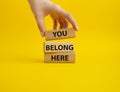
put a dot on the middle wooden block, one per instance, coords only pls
(50, 47)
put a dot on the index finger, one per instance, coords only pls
(70, 18)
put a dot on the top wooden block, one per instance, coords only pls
(60, 34)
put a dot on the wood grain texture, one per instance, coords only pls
(60, 34)
(59, 57)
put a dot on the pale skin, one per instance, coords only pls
(42, 8)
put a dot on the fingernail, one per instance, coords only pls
(77, 28)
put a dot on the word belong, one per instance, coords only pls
(59, 47)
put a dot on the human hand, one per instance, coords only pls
(42, 8)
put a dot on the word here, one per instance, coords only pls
(59, 57)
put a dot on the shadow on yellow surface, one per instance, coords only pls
(22, 59)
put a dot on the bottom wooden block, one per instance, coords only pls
(59, 57)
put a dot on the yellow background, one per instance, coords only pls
(97, 48)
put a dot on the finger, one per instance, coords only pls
(72, 21)
(68, 16)
(55, 24)
(61, 24)
(41, 24)
(65, 23)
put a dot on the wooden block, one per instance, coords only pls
(60, 34)
(59, 57)
(58, 47)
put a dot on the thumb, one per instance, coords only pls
(41, 25)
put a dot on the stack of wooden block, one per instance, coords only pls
(59, 52)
